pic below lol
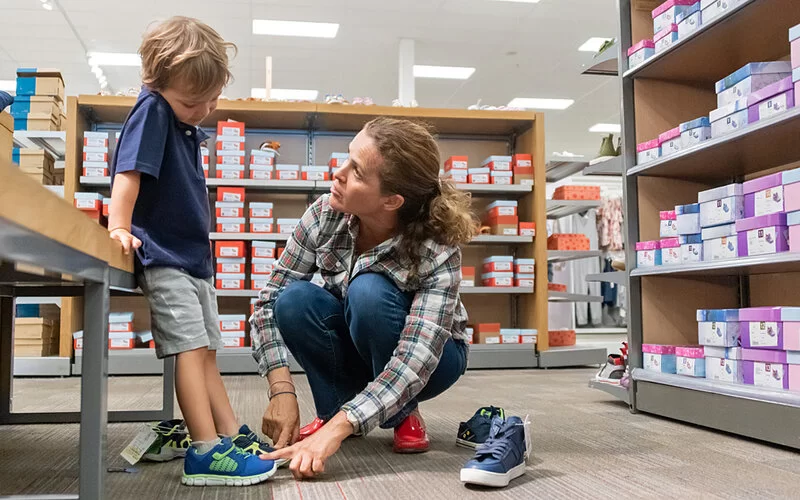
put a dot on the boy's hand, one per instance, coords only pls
(128, 240)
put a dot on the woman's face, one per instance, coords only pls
(356, 186)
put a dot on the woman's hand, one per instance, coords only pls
(309, 455)
(281, 421)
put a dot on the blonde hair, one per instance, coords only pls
(433, 207)
(186, 51)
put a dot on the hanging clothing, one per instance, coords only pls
(586, 313)
(609, 224)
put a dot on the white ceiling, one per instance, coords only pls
(519, 49)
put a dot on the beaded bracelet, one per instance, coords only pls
(282, 392)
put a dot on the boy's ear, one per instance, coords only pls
(394, 202)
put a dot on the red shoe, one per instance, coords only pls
(410, 435)
(311, 428)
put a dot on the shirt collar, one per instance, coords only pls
(201, 135)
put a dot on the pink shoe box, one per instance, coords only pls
(764, 195)
(666, 38)
(640, 52)
(793, 221)
(791, 190)
(648, 151)
(767, 234)
(648, 254)
(670, 142)
(770, 328)
(690, 361)
(770, 101)
(669, 224)
(750, 78)
(769, 375)
(670, 251)
(666, 14)
(659, 358)
(794, 40)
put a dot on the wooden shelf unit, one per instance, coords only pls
(671, 88)
(308, 133)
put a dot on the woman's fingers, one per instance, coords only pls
(318, 466)
(283, 437)
(305, 465)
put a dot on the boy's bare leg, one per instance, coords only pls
(224, 418)
(190, 387)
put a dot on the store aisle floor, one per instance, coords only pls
(586, 445)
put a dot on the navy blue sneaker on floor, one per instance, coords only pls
(172, 441)
(251, 443)
(501, 458)
(225, 465)
(475, 431)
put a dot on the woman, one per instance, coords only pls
(388, 329)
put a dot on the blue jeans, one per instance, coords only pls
(345, 345)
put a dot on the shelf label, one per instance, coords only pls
(763, 334)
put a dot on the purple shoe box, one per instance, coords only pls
(764, 195)
(771, 100)
(762, 335)
(770, 375)
(767, 234)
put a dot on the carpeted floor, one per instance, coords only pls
(586, 445)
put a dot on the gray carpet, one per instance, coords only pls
(586, 445)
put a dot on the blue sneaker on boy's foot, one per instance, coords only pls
(251, 443)
(501, 458)
(475, 431)
(225, 465)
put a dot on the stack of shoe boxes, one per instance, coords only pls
(36, 328)
(262, 165)
(229, 210)
(498, 271)
(337, 161)
(37, 164)
(95, 154)
(262, 261)
(230, 150)
(501, 218)
(92, 205)
(231, 326)
(38, 104)
(261, 220)
(230, 268)
(6, 137)
(499, 169)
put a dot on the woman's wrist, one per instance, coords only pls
(341, 425)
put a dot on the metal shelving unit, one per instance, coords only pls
(615, 390)
(618, 277)
(498, 239)
(567, 255)
(662, 310)
(53, 142)
(557, 170)
(605, 64)
(557, 209)
(467, 290)
(612, 167)
(480, 239)
(572, 297)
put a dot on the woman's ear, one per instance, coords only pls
(393, 202)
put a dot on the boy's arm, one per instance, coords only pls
(123, 198)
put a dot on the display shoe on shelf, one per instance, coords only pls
(410, 436)
(250, 442)
(225, 465)
(475, 431)
(618, 265)
(501, 458)
(607, 150)
(358, 101)
(368, 101)
(311, 428)
(172, 441)
(613, 370)
(619, 146)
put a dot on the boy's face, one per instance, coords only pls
(190, 109)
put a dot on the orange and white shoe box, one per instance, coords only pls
(230, 194)
(522, 164)
(145, 339)
(230, 224)
(504, 225)
(457, 176)
(479, 176)
(230, 158)
(337, 159)
(230, 281)
(231, 265)
(205, 157)
(502, 178)
(205, 170)
(230, 171)
(287, 226)
(467, 276)
(499, 264)
(229, 209)
(229, 249)
(262, 158)
(261, 224)
(263, 249)
(230, 128)
(487, 333)
(260, 265)
(524, 266)
(285, 172)
(89, 202)
(527, 335)
(527, 229)
(262, 172)
(524, 280)
(497, 163)
(116, 340)
(120, 322)
(497, 279)
(259, 210)
(230, 143)
(91, 154)
(232, 339)
(253, 306)
(95, 140)
(259, 281)
(106, 206)
(232, 322)
(470, 334)
(456, 163)
(316, 173)
(500, 208)
(95, 169)
(509, 335)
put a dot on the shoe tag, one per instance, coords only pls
(526, 425)
(140, 444)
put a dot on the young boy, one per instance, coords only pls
(160, 209)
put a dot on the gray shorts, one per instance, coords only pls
(183, 311)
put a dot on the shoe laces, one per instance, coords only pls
(494, 447)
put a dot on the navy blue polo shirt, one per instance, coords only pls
(172, 216)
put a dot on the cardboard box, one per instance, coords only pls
(498, 263)
(229, 209)
(228, 265)
(502, 178)
(467, 276)
(500, 208)
(33, 160)
(561, 338)
(287, 226)
(229, 143)
(316, 173)
(262, 158)
(479, 176)
(40, 82)
(232, 340)
(258, 210)
(230, 281)
(523, 176)
(506, 225)
(261, 224)
(232, 322)
(230, 171)
(230, 128)
(261, 172)
(577, 193)
(456, 163)
(38, 121)
(487, 333)
(527, 229)
(38, 105)
(230, 249)
(230, 194)
(95, 139)
(260, 265)
(40, 329)
(522, 161)
(263, 249)
(6, 137)
(498, 279)
(567, 241)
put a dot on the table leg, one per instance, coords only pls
(6, 357)
(168, 404)
(94, 389)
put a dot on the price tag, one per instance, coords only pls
(140, 444)
(528, 438)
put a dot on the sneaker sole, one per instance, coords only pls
(466, 444)
(494, 479)
(212, 480)
(165, 455)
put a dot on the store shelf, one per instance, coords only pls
(271, 185)
(237, 293)
(557, 357)
(615, 390)
(612, 167)
(497, 189)
(249, 236)
(38, 300)
(493, 356)
(601, 330)
(758, 264)
(617, 277)
(493, 290)
(567, 255)
(572, 297)
(725, 44)
(51, 366)
(497, 239)
(606, 64)
(557, 209)
(95, 181)
(757, 147)
(53, 142)
(557, 170)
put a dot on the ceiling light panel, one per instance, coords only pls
(539, 103)
(295, 28)
(113, 59)
(8, 85)
(593, 44)
(606, 128)
(445, 72)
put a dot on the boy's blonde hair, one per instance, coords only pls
(188, 52)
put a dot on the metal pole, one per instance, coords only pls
(6, 356)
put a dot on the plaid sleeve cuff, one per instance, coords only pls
(357, 418)
(271, 356)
